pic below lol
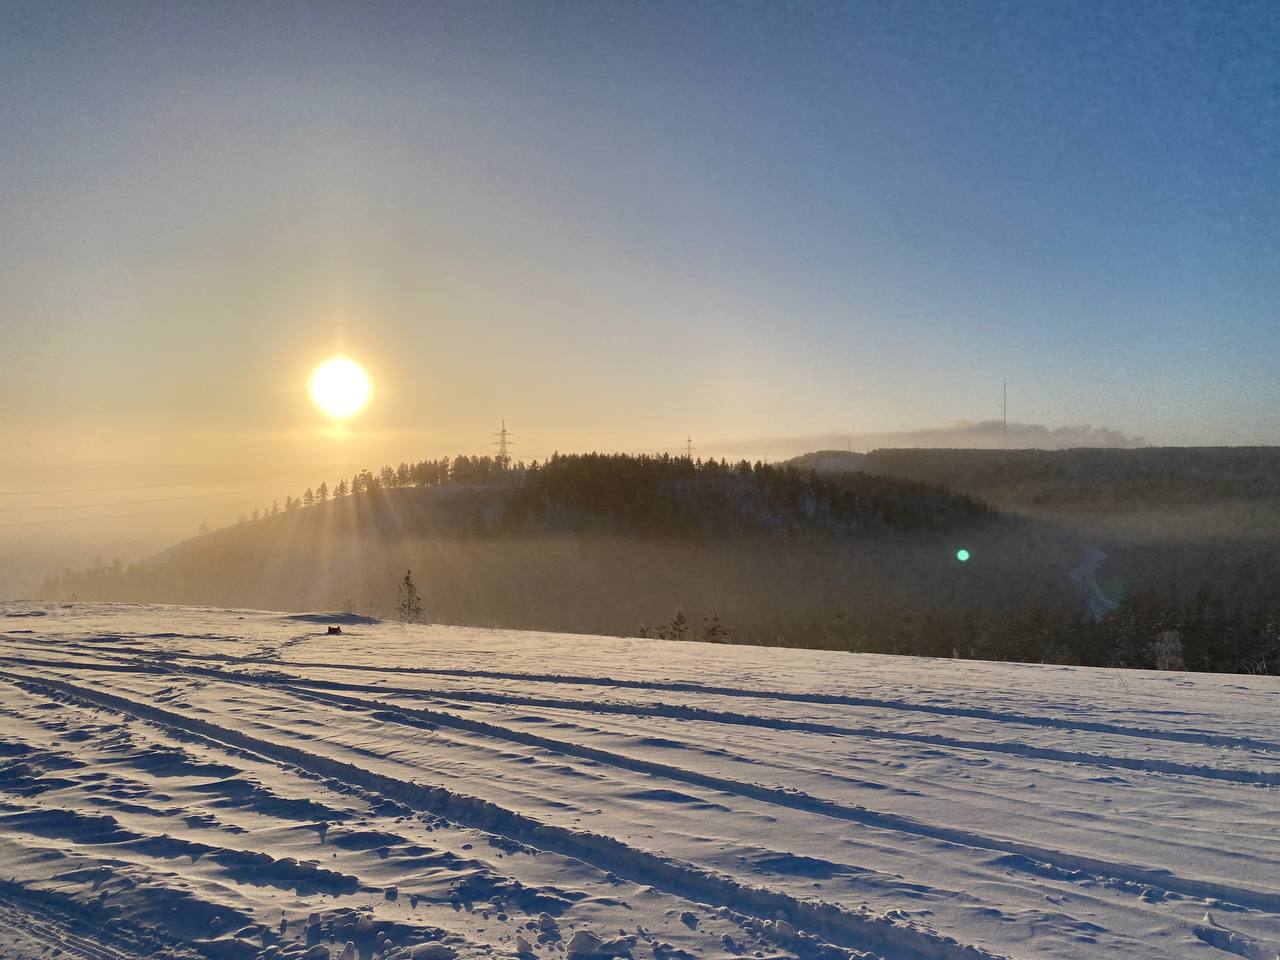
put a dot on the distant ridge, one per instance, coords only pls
(1090, 477)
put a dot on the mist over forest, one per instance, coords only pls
(1094, 556)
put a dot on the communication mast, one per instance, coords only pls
(688, 446)
(504, 443)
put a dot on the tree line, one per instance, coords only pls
(1149, 632)
(662, 494)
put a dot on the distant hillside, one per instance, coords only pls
(1095, 478)
(1169, 519)
(608, 544)
(670, 548)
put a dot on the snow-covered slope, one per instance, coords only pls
(196, 782)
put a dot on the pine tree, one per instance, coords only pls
(322, 492)
(409, 607)
(676, 629)
(308, 498)
(713, 631)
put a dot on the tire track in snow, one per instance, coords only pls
(1067, 862)
(849, 930)
(685, 712)
(798, 800)
(975, 713)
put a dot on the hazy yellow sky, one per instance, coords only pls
(615, 226)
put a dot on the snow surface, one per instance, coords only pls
(188, 782)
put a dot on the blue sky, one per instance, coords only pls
(615, 224)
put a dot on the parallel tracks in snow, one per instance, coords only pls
(841, 927)
(1160, 880)
(823, 921)
(687, 712)
(879, 703)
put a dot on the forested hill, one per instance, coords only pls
(612, 494)
(763, 554)
(597, 544)
(568, 494)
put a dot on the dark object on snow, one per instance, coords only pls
(334, 629)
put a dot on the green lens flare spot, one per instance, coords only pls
(962, 555)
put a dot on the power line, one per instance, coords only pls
(150, 486)
(130, 503)
(124, 503)
(47, 492)
(103, 518)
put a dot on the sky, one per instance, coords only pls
(617, 225)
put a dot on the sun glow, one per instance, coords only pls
(340, 388)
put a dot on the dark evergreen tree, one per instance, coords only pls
(713, 631)
(409, 602)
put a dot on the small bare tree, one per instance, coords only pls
(409, 607)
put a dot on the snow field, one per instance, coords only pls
(242, 784)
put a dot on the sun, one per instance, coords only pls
(340, 388)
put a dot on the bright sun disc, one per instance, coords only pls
(340, 388)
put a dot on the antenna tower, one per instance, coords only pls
(688, 446)
(1004, 407)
